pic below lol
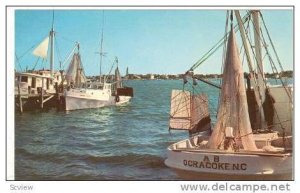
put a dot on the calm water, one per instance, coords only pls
(114, 143)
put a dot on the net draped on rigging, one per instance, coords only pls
(189, 112)
(233, 108)
(75, 73)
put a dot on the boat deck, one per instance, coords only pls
(198, 144)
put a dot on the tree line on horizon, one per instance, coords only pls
(288, 74)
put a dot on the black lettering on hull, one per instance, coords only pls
(215, 165)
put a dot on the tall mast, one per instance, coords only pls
(258, 95)
(52, 33)
(260, 69)
(244, 39)
(79, 69)
(101, 46)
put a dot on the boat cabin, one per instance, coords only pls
(32, 83)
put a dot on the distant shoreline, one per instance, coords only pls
(287, 74)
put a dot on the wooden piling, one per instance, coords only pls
(20, 99)
(42, 95)
(57, 97)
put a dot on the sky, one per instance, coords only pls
(146, 41)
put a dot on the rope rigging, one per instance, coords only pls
(262, 39)
(19, 58)
(18, 62)
(115, 62)
(264, 42)
(57, 51)
(273, 68)
(278, 60)
(216, 46)
(273, 47)
(37, 60)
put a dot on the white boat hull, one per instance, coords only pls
(73, 103)
(191, 175)
(193, 163)
(123, 100)
(84, 100)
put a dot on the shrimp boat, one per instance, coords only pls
(33, 82)
(234, 149)
(82, 94)
(38, 86)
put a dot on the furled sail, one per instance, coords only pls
(189, 112)
(75, 74)
(118, 78)
(233, 109)
(42, 49)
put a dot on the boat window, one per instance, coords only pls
(33, 82)
(24, 78)
(48, 83)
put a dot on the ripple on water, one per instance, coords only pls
(113, 143)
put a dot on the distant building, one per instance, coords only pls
(164, 76)
(151, 77)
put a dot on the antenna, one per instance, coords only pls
(52, 19)
(52, 34)
(101, 45)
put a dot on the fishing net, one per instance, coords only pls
(75, 73)
(233, 108)
(180, 113)
(189, 112)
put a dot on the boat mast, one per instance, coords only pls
(245, 43)
(79, 69)
(101, 46)
(256, 86)
(52, 34)
(260, 69)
